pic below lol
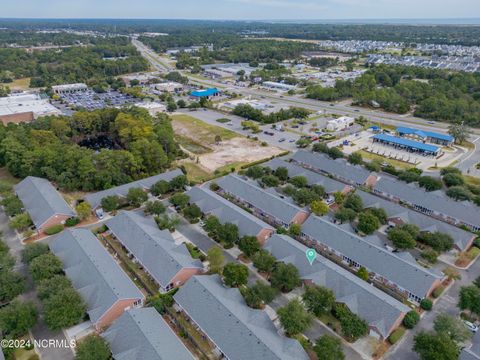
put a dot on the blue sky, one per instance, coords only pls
(242, 9)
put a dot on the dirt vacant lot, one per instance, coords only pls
(198, 140)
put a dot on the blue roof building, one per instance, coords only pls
(406, 143)
(443, 139)
(205, 93)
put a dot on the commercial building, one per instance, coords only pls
(232, 104)
(169, 87)
(43, 202)
(265, 205)
(406, 144)
(69, 88)
(340, 169)
(383, 313)
(153, 107)
(278, 86)
(95, 199)
(142, 334)
(169, 264)
(237, 331)
(340, 124)
(208, 93)
(25, 107)
(213, 204)
(99, 279)
(398, 272)
(432, 137)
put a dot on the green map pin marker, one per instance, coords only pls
(311, 255)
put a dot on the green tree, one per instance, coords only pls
(363, 274)
(63, 309)
(215, 259)
(17, 318)
(433, 346)
(380, 214)
(12, 205)
(92, 347)
(426, 304)
(294, 318)
(282, 173)
(355, 158)
(20, 222)
(32, 251)
(84, 210)
(259, 294)
(110, 203)
(295, 230)
(318, 299)
(270, 181)
(264, 261)
(160, 188)
(299, 181)
(228, 234)
(401, 239)
(430, 183)
(452, 327)
(249, 245)
(155, 207)
(368, 223)
(192, 212)
(304, 196)
(345, 214)
(45, 266)
(51, 286)
(459, 131)
(178, 183)
(235, 275)
(11, 285)
(180, 200)
(285, 277)
(329, 347)
(255, 172)
(354, 202)
(411, 319)
(458, 193)
(470, 299)
(453, 179)
(136, 197)
(319, 207)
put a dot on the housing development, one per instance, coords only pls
(242, 190)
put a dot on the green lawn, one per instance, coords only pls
(472, 180)
(398, 164)
(196, 174)
(200, 131)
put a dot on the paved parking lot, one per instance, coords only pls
(91, 100)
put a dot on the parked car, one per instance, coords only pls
(282, 140)
(472, 327)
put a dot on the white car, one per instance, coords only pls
(472, 327)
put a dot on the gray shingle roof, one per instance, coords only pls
(339, 167)
(261, 199)
(437, 201)
(95, 199)
(153, 248)
(460, 237)
(240, 332)
(406, 274)
(330, 185)
(142, 334)
(214, 204)
(93, 272)
(41, 200)
(368, 302)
